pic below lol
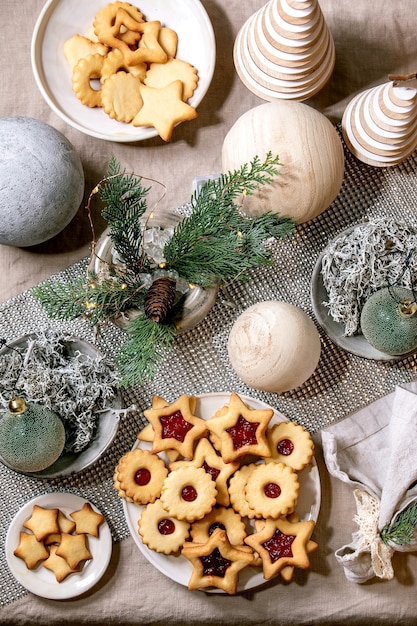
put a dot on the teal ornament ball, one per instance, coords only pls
(41, 181)
(389, 321)
(32, 437)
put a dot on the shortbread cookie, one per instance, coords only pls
(272, 490)
(160, 531)
(281, 544)
(79, 47)
(216, 563)
(74, 549)
(219, 517)
(114, 61)
(164, 108)
(86, 70)
(121, 97)
(188, 493)
(108, 28)
(241, 430)
(58, 565)
(141, 475)
(87, 520)
(30, 550)
(162, 74)
(42, 522)
(291, 444)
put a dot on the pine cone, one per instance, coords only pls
(160, 298)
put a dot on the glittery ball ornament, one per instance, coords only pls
(32, 436)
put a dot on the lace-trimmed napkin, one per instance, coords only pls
(375, 451)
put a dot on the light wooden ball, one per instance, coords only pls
(274, 346)
(309, 149)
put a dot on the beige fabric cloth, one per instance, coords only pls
(371, 41)
(374, 451)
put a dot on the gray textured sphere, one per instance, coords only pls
(41, 181)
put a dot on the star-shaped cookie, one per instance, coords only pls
(164, 108)
(216, 563)
(176, 427)
(87, 520)
(205, 456)
(282, 544)
(239, 430)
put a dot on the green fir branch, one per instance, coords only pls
(145, 348)
(125, 202)
(402, 531)
(61, 300)
(217, 241)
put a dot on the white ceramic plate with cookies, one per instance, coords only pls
(178, 568)
(61, 19)
(41, 581)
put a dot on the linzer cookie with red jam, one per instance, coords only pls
(176, 427)
(188, 493)
(291, 444)
(272, 490)
(282, 544)
(217, 562)
(160, 531)
(139, 476)
(239, 430)
(205, 456)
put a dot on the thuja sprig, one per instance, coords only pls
(218, 241)
(144, 350)
(401, 531)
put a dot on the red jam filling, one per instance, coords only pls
(215, 564)
(272, 490)
(279, 545)
(285, 447)
(243, 433)
(189, 493)
(142, 476)
(166, 527)
(211, 470)
(175, 426)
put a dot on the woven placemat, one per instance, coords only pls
(198, 362)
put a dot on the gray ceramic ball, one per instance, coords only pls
(41, 181)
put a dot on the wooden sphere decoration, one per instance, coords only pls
(274, 346)
(309, 149)
(41, 181)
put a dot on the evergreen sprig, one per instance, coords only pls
(125, 201)
(402, 531)
(144, 350)
(62, 300)
(217, 241)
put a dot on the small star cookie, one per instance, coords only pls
(58, 565)
(87, 520)
(239, 430)
(42, 522)
(163, 108)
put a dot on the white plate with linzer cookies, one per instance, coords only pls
(221, 492)
(58, 546)
(109, 69)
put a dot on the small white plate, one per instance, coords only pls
(40, 580)
(61, 19)
(178, 568)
